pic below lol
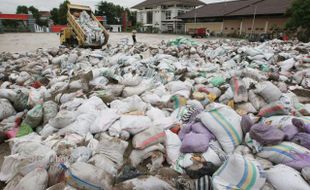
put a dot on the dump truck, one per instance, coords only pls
(74, 35)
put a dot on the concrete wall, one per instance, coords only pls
(116, 28)
(244, 25)
(231, 26)
(240, 25)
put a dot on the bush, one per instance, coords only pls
(304, 35)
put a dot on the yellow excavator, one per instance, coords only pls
(74, 35)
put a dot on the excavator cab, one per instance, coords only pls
(75, 35)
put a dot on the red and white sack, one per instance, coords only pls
(239, 90)
(148, 137)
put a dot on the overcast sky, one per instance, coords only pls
(9, 6)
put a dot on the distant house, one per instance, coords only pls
(160, 15)
(240, 17)
(45, 15)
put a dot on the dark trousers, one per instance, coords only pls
(134, 39)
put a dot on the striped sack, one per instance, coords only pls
(203, 183)
(224, 123)
(239, 173)
(283, 153)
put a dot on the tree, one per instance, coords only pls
(54, 15)
(62, 12)
(300, 19)
(59, 15)
(22, 9)
(36, 15)
(114, 13)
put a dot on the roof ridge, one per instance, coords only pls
(255, 2)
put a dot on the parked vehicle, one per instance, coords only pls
(198, 32)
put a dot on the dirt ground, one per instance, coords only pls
(25, 42)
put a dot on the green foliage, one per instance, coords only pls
(62, 13)
(22, 9)
(54, 15)
(14, 26)
(10, 23)
(36, 15)
(300, 19)
(299, 14)
(59, 15)
(114, 13)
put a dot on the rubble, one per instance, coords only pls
(175, 115)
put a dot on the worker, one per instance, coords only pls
(207, 33)
(134, 36)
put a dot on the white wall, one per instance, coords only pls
(116, 28)
(159, 15)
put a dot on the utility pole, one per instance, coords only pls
(253, 21)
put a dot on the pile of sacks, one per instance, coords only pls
(222, 115)
(94, 33)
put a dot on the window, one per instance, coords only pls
(168, 15)
(180, 12)
(249, 28)
(226, 28)
(141, 17)
(170, 28)
(232, 28)
(149, 17)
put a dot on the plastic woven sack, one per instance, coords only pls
(239, 173)
(287, 153)
(34, 116)
(217, 81)
(224, 123)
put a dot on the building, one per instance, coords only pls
(239, 17)
(160, 15)
(45, 15)
(116, 27)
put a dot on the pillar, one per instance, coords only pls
(241, 25)
(266, 26)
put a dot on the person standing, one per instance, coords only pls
(134, 36)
